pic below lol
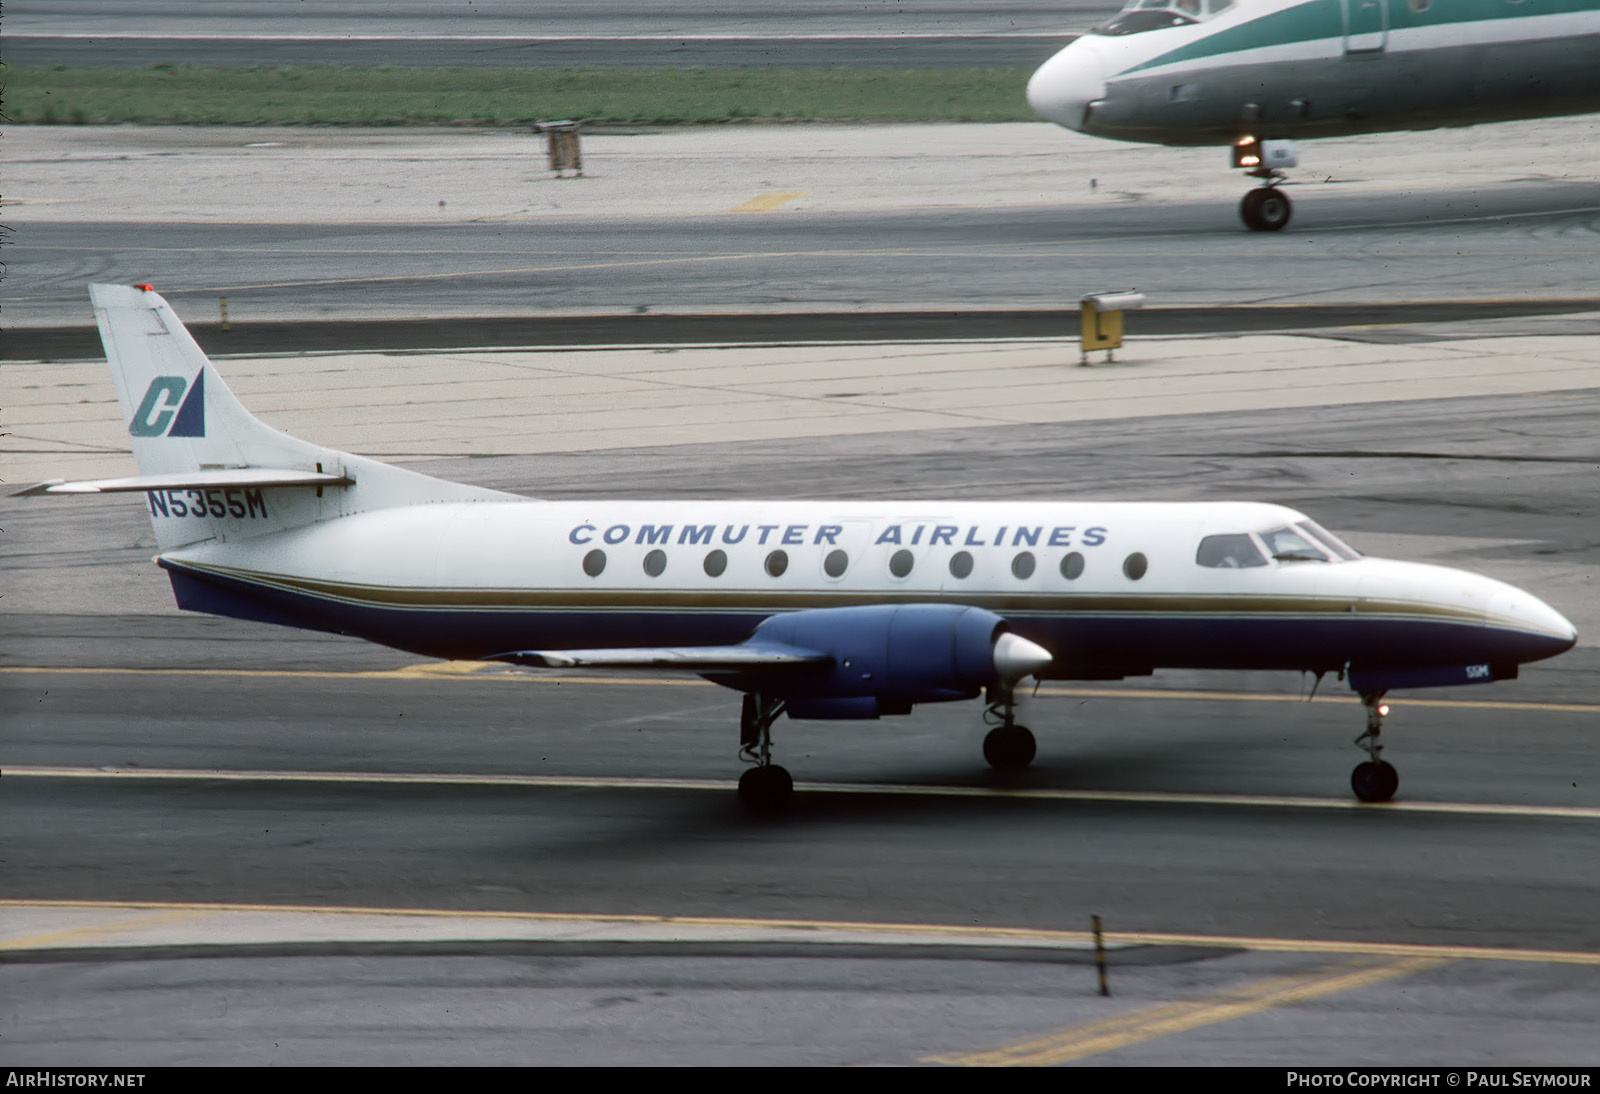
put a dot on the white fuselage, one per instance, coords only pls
(1110, 589)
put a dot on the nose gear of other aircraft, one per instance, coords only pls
(1266, 208)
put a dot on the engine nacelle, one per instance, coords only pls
(898, 655)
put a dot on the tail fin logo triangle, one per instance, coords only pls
(164, 410)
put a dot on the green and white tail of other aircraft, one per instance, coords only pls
(1259, 75)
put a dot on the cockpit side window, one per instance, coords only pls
(1287, 545)
(1142, 15)
(1321, 535)
(1229, 552)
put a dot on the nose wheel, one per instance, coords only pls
(1265, 209)
(765, 788)
(1376, 780)
(1008, 746)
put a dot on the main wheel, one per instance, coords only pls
(1009, 748)
(1265, 209)
(765, 789)
(1374, 781)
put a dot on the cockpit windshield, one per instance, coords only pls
(1142, 15)
(1329, 540)
(1288, 544)
(1301, 541)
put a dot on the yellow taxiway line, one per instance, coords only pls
(765, 203)
(1149, 1023)
(903, 933)
(910, 790)
(496, 671)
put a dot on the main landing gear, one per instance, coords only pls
(1008, 746)
(766, 787)
(1374, 780)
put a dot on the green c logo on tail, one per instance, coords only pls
(164, 412)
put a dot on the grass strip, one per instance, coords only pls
(326, 95)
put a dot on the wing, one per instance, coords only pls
(679, 658)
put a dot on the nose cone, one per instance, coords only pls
(1514, 609)
(1016, 657)
(1067, 83)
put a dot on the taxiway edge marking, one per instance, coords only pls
(979, 935)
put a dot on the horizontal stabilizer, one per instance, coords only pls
(680, 658)
(210, 479)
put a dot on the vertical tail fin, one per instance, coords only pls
(180, 415)
(194, 441)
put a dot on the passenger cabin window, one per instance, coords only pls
(1234, 551)
(1288, 545)
(655, 563)
(961, 564)
(1022, 566)
(1072, 566)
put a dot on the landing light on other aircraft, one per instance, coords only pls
(1383, 710)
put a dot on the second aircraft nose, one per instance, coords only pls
(1067, 83)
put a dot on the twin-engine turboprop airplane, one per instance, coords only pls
(833, 610)
(1260, 74)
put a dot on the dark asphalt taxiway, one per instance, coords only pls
(1343, 249)
(1222, 814)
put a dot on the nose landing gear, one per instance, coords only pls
(1008, 746)
(1374, 780)
(1266, 209)
(766, 787)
